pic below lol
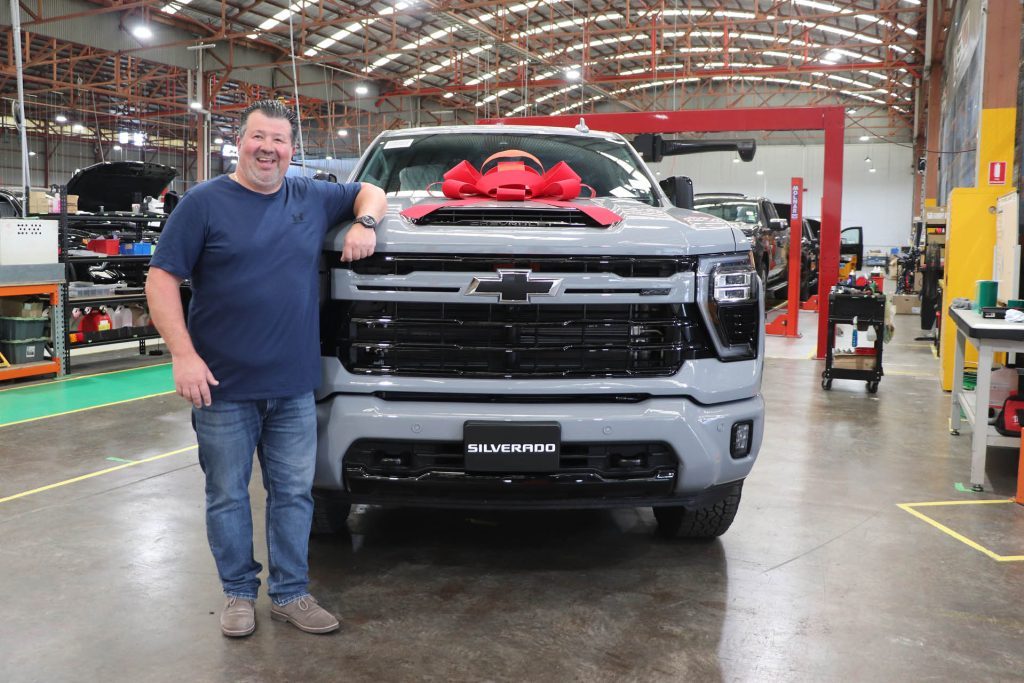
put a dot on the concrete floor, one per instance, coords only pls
(822, 576)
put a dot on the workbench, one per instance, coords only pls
(989, 336)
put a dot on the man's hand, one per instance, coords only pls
(359, 243)
(192, 379)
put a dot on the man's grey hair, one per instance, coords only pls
(272, 109)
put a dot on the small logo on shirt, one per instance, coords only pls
(297, 217)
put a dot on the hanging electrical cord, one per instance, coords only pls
(18, 108)
(328, 86)
(96, 126)
(295, 87)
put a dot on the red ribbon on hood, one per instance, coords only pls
(513, 181)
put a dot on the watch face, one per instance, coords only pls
(368, 221)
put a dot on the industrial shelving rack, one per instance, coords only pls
(140, 222)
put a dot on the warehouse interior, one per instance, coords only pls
(881, 530)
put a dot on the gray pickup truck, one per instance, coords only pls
(518, 355)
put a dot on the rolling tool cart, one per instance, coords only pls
(865, 309)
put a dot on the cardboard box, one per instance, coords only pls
(857, 361)
(918, 281)
(907, 304)
(38, 202)
(21, 307)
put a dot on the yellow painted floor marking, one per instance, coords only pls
(78, 377)
(907, 373)
(80, 410)
(909, 507)
(97, 474)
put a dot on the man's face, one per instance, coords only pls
(264, 152)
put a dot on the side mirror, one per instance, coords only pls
(778, 224)
(653, 147)
(679, 190)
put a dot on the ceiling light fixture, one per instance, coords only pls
(142, 32)
(871, 170)
(760, 173)
(864, 138)
(218, 141)
(31, 154)
(867, 160)
(735, 161)
(449, 95)
(328, 157)
(362, 90)
(77, 128)
(117, 148)
(342, 133)
(123, 137)
(573, 74)
(195, 105)
(60, 118)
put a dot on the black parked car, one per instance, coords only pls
(758, 219)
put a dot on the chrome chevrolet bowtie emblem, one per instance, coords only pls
(513, 286)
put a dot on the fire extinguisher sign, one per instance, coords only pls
(997, 173)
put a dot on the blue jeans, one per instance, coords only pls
(282, 431)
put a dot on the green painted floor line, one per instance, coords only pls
(61, 397)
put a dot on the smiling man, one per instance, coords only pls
(249, 358)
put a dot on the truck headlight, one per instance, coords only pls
(733, 284)
(729, 295)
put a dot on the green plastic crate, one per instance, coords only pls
(18, 328)
(23, 351)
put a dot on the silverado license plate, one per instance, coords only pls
(511, 446)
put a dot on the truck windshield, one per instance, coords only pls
(409, 166)
(733, 210)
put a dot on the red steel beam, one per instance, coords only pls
(829, 119)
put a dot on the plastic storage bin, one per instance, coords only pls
(136, 248)
(81, 290)
(22, 328)
(104, 246)
(24, 351)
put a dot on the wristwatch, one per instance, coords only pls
(368, 221)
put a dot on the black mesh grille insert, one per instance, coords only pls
(627, 267)
(508, 217)
(497, 340)
(396, 457)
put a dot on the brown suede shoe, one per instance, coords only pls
(305, 615)
(238, 618)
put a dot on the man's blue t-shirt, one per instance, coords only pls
(252, 259)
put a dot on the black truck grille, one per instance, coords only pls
(496, 340)
(622, 266)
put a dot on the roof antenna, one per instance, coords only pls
(582, 126)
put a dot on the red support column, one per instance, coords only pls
(788, 325)
(831, 219)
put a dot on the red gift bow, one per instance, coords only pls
(512, 181)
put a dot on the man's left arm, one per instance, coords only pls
(360, 240)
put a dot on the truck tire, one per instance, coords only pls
(329, 516)
(701, 523)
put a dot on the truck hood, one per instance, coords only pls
(116, 185)
(643, 230)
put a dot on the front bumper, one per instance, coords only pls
(695, 437)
